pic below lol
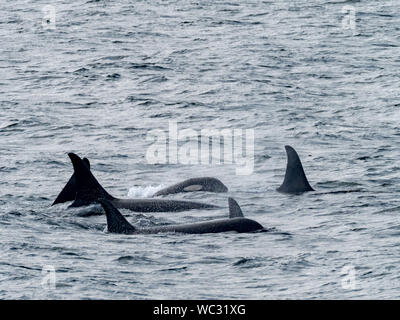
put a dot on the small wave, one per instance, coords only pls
(125, 259)
(91, 210)
(248, 263)
(143, 191)
(134, 259)
(9, 124)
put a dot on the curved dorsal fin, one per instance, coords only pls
(234, 209)
(88, 189)
(116, 222)
(295, 179)
(68, 193)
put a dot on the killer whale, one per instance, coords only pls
(68, 193)
(295, 180)
(194, 184)
(116, 223)
(89, 190)
(211, 184)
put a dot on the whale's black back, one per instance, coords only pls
(295, 179)
(116, 223)
(194, 184)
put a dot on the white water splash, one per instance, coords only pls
(144, 191)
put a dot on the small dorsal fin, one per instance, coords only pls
(88, 189)
(116, 222)
(295, 179)
(234, 209)
(68, 193)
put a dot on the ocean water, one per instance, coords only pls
(95, 77)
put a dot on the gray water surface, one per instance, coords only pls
(111, 71)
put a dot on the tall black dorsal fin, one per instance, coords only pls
(234, 209)
(88, 189)
(295, 178)
(87, 162)
(116, 222)
(68, 193)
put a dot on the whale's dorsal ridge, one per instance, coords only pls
(209, 184)
(88, 189)
(234, 209)
(295, 179)
(116, 222)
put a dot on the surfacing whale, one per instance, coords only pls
(194, 184)
(116, 223)
(295, 179)
(89, 190)
(296, 182)
(211, 184)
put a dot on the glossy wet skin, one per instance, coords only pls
(194, 184)
(239, 225)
